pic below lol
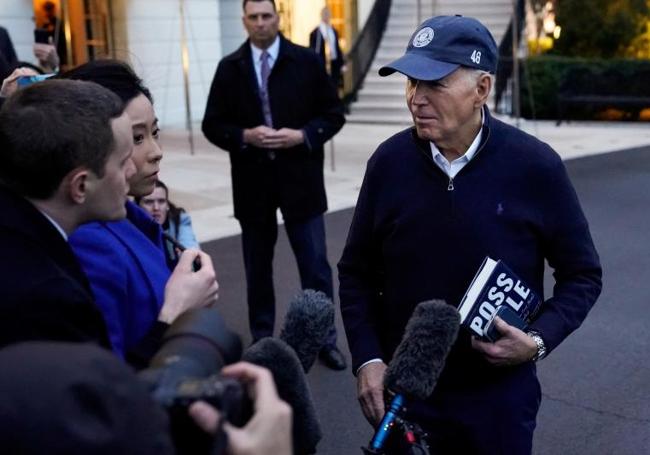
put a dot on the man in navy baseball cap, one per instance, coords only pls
(436, 199)
(441, 45)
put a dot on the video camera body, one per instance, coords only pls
(197, 346)
(194, 350)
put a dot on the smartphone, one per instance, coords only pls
(42, 36)
(24, 81)
(509, 316)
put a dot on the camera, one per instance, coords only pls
(185, 369)
(42, 36)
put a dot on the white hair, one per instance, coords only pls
(473, 75)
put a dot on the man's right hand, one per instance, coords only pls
(188, 289)
(370, 391)
(258, 135)
(10, 84)
(269, 429)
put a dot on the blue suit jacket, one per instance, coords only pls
(125, 263)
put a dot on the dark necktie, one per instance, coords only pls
(264, 89)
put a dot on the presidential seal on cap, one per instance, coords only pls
(441, 45)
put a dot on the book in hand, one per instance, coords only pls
(494, 287)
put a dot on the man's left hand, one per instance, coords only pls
(514, 346)
(283, 138)
(47, 56)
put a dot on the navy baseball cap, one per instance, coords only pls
(442, 44)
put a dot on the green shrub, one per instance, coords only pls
(599, 28)
(542, 76)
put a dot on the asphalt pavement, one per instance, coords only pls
(596, 385)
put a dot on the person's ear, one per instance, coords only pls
(483, 89)
(79, 182)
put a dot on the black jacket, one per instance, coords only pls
(317, 44)
(8, 58)
(417, 235)
(301, 97)
(45, 294)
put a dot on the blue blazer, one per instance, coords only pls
(125, 263)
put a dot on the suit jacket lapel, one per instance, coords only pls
(247, 71)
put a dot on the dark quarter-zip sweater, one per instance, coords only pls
(418, 235)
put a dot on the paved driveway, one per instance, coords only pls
(596, 385)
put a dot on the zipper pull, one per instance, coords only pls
(450, 187)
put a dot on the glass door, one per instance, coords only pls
(80, 29)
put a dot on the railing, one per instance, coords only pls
(505, 84)
(365, 46)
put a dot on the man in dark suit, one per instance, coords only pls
(272, 107)
(65, 155)
(324, 40)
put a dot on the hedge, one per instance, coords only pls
(541, 77)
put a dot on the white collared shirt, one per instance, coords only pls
(273, 50)
(55, 224)
(327, 32)
(453, 168)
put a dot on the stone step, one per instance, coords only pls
(403, 16)
(377, 83)
(400, 36)
(462, 4)
(399, 42)
(407, 22)
(397, 104)
(382, 96)
(494, 24)
(478, 11)
(382, 100)
(391, 53)
(380, 117)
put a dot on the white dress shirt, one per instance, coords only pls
(327, 32)
(55, 224)
(453, 168)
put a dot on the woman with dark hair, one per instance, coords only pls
(175, 221)
(125, 260)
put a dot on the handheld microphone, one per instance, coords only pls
(291, 383)
(418, 361)
(308, 320)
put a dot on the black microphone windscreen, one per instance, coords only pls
(308, 320)
(421, 355)
(291, 383)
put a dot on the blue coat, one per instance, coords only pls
(125, 263)
(184, 232)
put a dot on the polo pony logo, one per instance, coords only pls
(423, 37)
